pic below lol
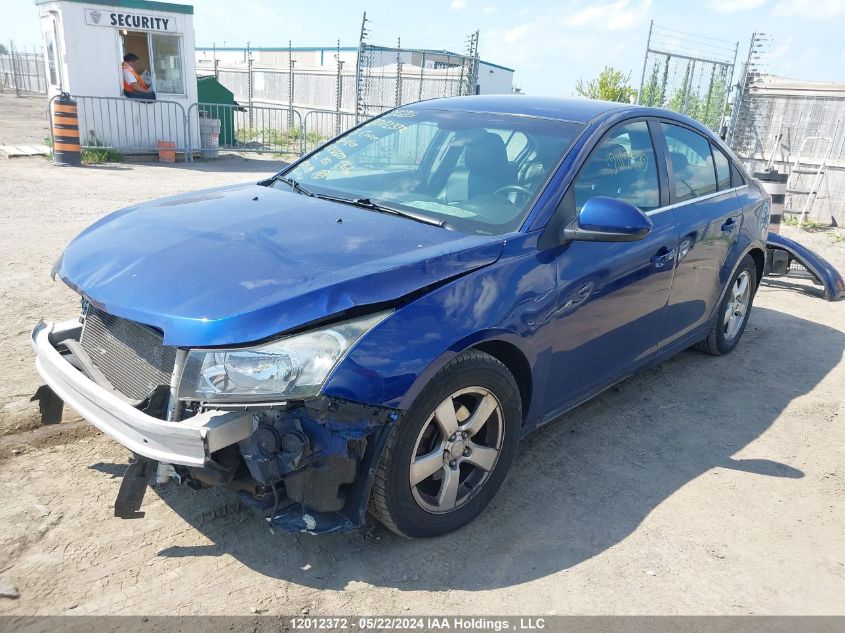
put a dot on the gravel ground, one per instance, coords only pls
(42, 207)
(704, 486)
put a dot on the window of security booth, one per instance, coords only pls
(161, 54)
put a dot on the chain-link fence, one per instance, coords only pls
(388, 77)
(316, 88)
(364, 81)
(689, 74)
(23, 73)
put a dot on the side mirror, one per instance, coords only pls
(604, 219)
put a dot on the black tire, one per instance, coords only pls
(394, 501)
(720, 340)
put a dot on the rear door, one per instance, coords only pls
(708, 216)
(611, 296)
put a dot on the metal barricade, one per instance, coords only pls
(138, 126)
(318, 126)
(246, 128)
(130, 125)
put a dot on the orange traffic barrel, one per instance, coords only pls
(66, 150)
(774, 183)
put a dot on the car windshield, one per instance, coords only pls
(472, 172)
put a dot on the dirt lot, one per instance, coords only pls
(704, 486)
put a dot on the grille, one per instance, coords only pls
(131, 356)
(796, 266)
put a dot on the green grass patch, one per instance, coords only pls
(98, 155)
(811, 226)
(279, 141)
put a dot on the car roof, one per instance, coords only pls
(578, 110)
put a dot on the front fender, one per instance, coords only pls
(472, 340)
(508, 301)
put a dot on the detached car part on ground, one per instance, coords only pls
(376, 327)
(788, 258)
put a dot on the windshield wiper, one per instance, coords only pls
(293, 184)
(366, 203)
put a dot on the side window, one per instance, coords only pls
(723, 168)
(736, 177)
(692, 162)
(621, 166)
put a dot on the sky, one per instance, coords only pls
(550, 44)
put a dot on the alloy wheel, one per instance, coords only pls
(738, 301)
(456, 450)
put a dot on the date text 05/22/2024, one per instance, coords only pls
(408, 623)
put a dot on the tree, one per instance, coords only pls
(713, 110)
(3, 50)
(610, 85)
(652, 94)
(686, 99)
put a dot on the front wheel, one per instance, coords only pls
(733, 311)
(450, 452)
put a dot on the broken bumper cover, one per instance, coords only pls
(818, 266)
(187, 443)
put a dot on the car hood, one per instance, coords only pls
(243, 263)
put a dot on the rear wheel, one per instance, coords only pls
(451, 450)
(733, 311)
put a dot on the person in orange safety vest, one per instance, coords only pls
(134, 86)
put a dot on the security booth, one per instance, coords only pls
(85, 45)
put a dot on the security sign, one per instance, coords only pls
(131, 21)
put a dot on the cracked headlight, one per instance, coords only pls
(291, 367)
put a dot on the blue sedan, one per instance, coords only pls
(374, 328)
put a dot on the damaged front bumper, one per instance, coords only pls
(186, 443)
(319, 459)
(307, 466)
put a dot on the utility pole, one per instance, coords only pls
(422, 70)
(474, 74)
(464, 68)
(249, 83)
(290, 84)
(398, 71)
(16, 68)
(469, 66)
(645, 61)
(338, 91)
(359, 93)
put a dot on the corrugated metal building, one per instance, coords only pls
(797, 127)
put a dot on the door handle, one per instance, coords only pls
(729, 225)
(663, 257)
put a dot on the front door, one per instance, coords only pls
(612, 295)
